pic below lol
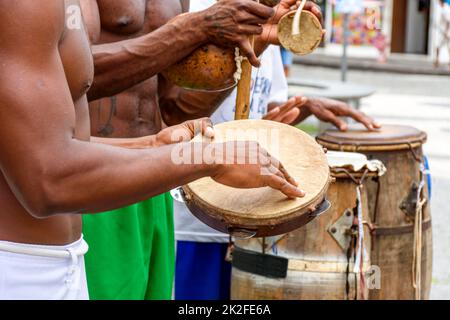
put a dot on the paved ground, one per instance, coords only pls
(424, 102)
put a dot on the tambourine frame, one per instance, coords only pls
(244, 231)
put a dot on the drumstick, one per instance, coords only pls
(297, 17)
(244, 89)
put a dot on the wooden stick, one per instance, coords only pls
(244, 90)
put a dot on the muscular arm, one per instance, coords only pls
(47, 168)
(178, 104)
(121, 65)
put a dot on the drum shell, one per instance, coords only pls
(393, 252)
(312, 246)
(393, 240)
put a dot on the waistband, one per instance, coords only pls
(78, 248)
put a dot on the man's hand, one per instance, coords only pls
(184, 132)
(260, 169)
(231, 22)
(329, 110)
(288, 112)
(270, 29)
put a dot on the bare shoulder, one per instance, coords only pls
(31, 23)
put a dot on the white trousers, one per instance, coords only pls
(35, 272)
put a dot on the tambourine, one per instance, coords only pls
(264, 212)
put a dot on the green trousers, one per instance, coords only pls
(131, 251)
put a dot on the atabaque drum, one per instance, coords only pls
(327, 259)
(399, 207)
(264, 211)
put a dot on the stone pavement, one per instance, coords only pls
(423, 102)
(407, 64)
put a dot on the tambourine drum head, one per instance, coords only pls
(310, 33)
(264, 210)
(357, 137)
(209, 68)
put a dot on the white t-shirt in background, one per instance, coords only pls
(269, 85)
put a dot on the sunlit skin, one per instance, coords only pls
(51, 172)
(129, 53)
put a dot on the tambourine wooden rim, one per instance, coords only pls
(265, 220)
(285, 33)
(249, 227)
(350, 141)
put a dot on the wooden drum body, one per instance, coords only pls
(316, 264)
(392, 205)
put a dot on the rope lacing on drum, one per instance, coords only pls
(418, 229)
(417, 157)
(356, 248)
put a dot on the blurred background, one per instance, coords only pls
(382, 57)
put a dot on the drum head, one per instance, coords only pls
(358, 138)
(264, 210)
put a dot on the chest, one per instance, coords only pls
(122, 19)
(75, 53)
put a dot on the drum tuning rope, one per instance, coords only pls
(360, 253)
(417, 250)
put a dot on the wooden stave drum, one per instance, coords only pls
(399, 148)
(317, 264)
(247, 224)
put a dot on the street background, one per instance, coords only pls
(422, 101)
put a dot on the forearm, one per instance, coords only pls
(128, 143)
(121, 65)
(102, 177)
(179, 105)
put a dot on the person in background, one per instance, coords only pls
(202, 270)
(287, 58)
(443, 30)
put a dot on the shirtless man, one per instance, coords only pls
(141, 266)
(128, 54)
(51, 172)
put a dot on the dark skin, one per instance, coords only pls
(51, 172)
(297, 109)
(128, 53)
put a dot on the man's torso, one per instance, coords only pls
(135, 112)
(16, 224)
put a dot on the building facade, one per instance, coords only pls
(401, 26)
